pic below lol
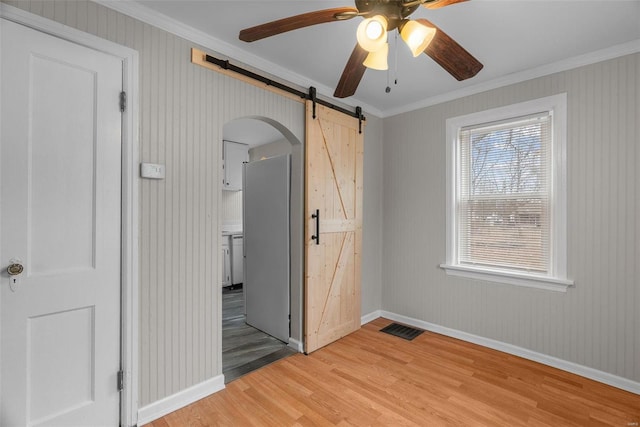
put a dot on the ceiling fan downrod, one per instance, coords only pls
(395, 11)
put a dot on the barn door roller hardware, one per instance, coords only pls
(312, 95)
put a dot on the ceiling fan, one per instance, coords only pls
(372, 48)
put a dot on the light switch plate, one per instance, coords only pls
(151, 170)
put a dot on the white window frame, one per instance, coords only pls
(556, 278)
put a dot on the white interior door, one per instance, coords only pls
(60, 160)
(266, 245)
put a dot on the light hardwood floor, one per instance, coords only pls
(371, 378)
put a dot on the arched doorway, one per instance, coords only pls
(245, 348)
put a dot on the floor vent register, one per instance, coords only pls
(402, 331)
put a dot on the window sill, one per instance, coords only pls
(510, 278)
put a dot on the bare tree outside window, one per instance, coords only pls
(505, 195)
(506, 199)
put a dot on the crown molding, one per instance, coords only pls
(172, 26)
(144, 14)
(544, 70)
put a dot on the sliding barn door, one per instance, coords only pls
(333, 232)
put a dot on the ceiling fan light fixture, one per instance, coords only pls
(378, 60)
(417, 36)
(372, 33)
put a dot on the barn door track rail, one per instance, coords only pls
(198, 57)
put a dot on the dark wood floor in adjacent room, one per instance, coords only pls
(244, 348)
(372, 378)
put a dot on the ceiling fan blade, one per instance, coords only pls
(437, 4)
(450, 55)
(352, 74)
(294, 22)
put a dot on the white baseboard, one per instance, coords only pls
(296, 345)
(185, 397)
(371, 316)
(179, 400)
(574, 368)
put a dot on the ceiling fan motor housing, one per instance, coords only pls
(394, 11)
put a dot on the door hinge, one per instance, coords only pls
(120, 380)
(123, 101)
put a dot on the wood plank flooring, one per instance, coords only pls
(245, 348)
(372, 378)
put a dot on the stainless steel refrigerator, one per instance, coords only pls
(266, 194)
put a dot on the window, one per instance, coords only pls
(506, 194)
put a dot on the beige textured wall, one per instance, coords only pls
(597, 323)
(183, 109)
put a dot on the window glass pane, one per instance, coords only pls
(506, 233)
(504, 206)
(507, 161)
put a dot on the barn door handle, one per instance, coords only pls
(316, 237)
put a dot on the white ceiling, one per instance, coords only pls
(514, 39)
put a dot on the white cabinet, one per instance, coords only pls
(234, 155)
(232, 260)
(237, 260)
(226, 262)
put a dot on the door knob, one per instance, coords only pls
(15, 269)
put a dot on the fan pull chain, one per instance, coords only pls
(395, 49)
(387, 89)
(395, 52)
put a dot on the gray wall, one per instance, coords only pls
(597, 323)
(372, 216)
(183, 108)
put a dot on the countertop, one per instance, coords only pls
(232, 228)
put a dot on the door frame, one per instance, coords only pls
(296, 227)
(129, 254)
